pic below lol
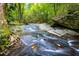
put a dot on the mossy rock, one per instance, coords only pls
(69, 21)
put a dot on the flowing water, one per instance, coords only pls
(42, 40)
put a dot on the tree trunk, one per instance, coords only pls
(2, 17)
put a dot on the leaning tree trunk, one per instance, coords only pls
(2, 17)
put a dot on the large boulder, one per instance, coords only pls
(69, 20)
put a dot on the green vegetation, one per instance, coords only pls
(4, 40)
(17, 13)
(34, 13)
(14, 12)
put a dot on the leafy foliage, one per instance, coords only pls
(4, 40)
(14, 12)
